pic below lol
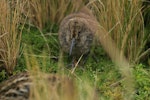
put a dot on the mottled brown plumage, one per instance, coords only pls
(76, 33)
(20, 86)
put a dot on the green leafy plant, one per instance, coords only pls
(142, 80)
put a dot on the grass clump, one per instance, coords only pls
(43, 12)
(10, 18)
(124, 22)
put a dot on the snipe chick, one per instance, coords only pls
(76, 33)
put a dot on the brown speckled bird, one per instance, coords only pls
(21, 86)
(76, 33)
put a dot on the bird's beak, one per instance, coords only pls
(71, 46)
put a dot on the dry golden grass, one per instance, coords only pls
(121, 33)
(123, 21)
(58, 86)
(119, 36)
(43, 11)
(49, 86)
(10, 36)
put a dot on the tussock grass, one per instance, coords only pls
(53, 11)
(10, 36)
(123, 21)
(119, 36)
(121, 33)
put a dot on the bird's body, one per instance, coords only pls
(22, 85)
(76, 33)
(15, 88)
